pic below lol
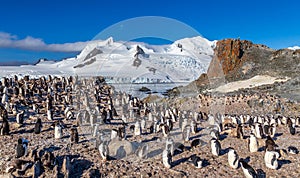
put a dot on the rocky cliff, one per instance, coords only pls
(236, 60)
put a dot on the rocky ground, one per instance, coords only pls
(86, 161)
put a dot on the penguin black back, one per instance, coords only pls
(249, 171)
(240, 133)
(20, 148)
(74, 135)
(38, 126)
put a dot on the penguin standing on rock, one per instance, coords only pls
(74, 135)
(233, 158)
(20, 118)
(248, 171)
(291, 126)
(167, 158)
(271, 159)
(58, 133)
(240, 133)
(137, 128)
(215, 147)
(22, 147)
(272, 130)
(4, 128)
(50, 114)
(38, 126)
(103, 150)
(252, 143)
(259, 131)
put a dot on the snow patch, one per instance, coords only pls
(250, 83)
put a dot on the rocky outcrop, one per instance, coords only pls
(230, 56)
(236, 60)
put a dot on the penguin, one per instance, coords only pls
(184, 124)
(193, 127)
(74, 135)
(142, 151)
(252, 143)
(137, 128)
(22, 148)
(58, 133)
(143, 124)
(240, 133)
(103, 150)
(270, 144)
(20, 118)
(197, 162)
(167, 158)
(271, 159)
(186, 133)
(170, 145)
(122, 132)
(170, 124)
(233, 158)
(292, 129)
(4, 128)
(197, 142)
(266, 128)
(248, 171)
(258, 130)
(293, 150)
(69, 115)
(49, 114)
(272, 129)
(215, 147)
(165, 130)
(38, 126)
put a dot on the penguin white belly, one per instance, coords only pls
(271, 159)
(215, 150)
(233, 160)
(166, 159)
(58, 132)
(247, 173)
(253, 147)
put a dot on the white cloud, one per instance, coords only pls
(8, 40)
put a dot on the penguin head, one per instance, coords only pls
(39, 120)
(230, 149)
(20, 141)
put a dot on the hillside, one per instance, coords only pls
(237, 60)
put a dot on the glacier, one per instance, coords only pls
(129, 62)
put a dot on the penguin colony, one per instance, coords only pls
(44, 105)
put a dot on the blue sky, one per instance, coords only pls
(274, 23)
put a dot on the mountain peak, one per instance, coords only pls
(294, 48)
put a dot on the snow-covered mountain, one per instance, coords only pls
(131, 62)
(294, 47)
